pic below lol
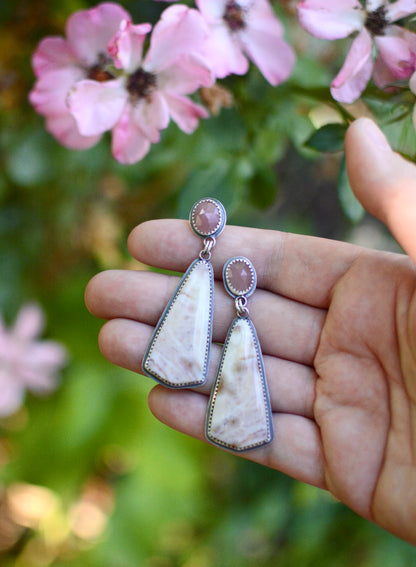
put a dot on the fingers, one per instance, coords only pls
(383, 181)
(296, 449)
(286, 329)
(301, 268)
(291, 385)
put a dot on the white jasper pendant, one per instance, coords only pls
(178, 352)
(239, 416)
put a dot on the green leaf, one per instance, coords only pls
(263, 188)
(224, 180)
(202, 183)
(329, 138)
(350, 205)
(270, 142)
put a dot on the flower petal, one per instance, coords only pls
(126, 47)
(408, 36)
(51, 54)
(43, 360)
(50, 91)
(11, 394)
(129, 144)
(89, 31)
(382, 76)
(212, 10)
(356, 71)
(264, 44)
(224, 53)
(373, 5)
(96, 107)
(38, 381)
(151, 116)
(185, 76)
(400, 9)
(396, 52)
(180, 30)
(48, 355)
(261, 16)
(273, 56)
(185, 112)
(29, 323)
(331, 20)
(64, 128)
(49, 98)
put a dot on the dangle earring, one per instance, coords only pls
(239, 414)
(178, 353)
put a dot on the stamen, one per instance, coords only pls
(99, 72)
(376, 21)
(141, 84)
(234, 16)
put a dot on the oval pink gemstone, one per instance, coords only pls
(240, 277)
(206, 217)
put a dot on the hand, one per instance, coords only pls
(337, 325)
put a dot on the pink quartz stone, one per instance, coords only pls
(206, 217)
(239, 277)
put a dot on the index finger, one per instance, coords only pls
(302, 268)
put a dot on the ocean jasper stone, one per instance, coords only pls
(177, 355)
(207, 218)
(239, 415)
(239, 277)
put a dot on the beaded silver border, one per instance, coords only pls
(220, 225)
(229, 288)
(159, 326)
(217, 384)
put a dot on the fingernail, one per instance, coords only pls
(373, 132)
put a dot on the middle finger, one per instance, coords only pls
(286, 329)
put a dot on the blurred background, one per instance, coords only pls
(87, 477)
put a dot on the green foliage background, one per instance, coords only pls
(165, 500)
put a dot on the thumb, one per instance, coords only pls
(383, 181)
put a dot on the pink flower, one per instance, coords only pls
(246, 28)
(396, 46)
(60, 63)
(26, 363)
(149, 90)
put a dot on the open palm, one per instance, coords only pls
(337, 325)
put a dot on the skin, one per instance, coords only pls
(337, 325)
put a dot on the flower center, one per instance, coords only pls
(100, 71)
(141, 84)
(234, 16)
(376, 21)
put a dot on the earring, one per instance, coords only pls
(178, 353)
(239, 413)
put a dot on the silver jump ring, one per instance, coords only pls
(209, 243)
(241, 306)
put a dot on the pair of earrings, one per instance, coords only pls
(239, 414)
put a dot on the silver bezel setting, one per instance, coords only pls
(220, 225)
(226, 278)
